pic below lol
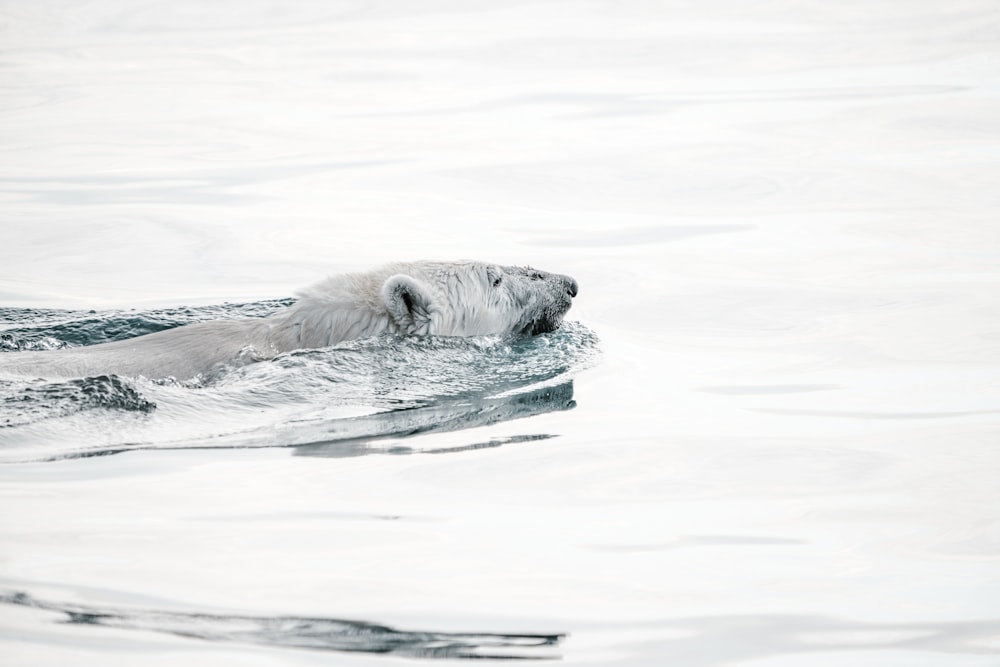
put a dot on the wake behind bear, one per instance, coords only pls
(416, 298)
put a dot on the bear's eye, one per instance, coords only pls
(497, 280)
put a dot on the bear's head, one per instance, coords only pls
(476, 298)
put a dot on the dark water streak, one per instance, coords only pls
(302, 632)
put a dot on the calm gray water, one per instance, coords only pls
(767, 435)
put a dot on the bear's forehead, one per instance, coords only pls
(458, 270)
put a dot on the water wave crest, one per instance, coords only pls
(51, 329)
(27, 402)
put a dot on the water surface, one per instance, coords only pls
(768, 436)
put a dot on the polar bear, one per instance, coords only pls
(463, 298)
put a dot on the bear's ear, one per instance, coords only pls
(409, 304)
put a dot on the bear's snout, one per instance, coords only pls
(572, 287)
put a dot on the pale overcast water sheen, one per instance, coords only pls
(768, 435)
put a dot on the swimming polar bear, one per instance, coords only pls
(416, 298)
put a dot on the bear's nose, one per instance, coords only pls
(572, 287)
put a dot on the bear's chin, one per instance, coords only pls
(540, 326)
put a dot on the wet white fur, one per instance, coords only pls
(439, 298)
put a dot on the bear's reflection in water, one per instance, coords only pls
(450, 415)
(303, 632)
